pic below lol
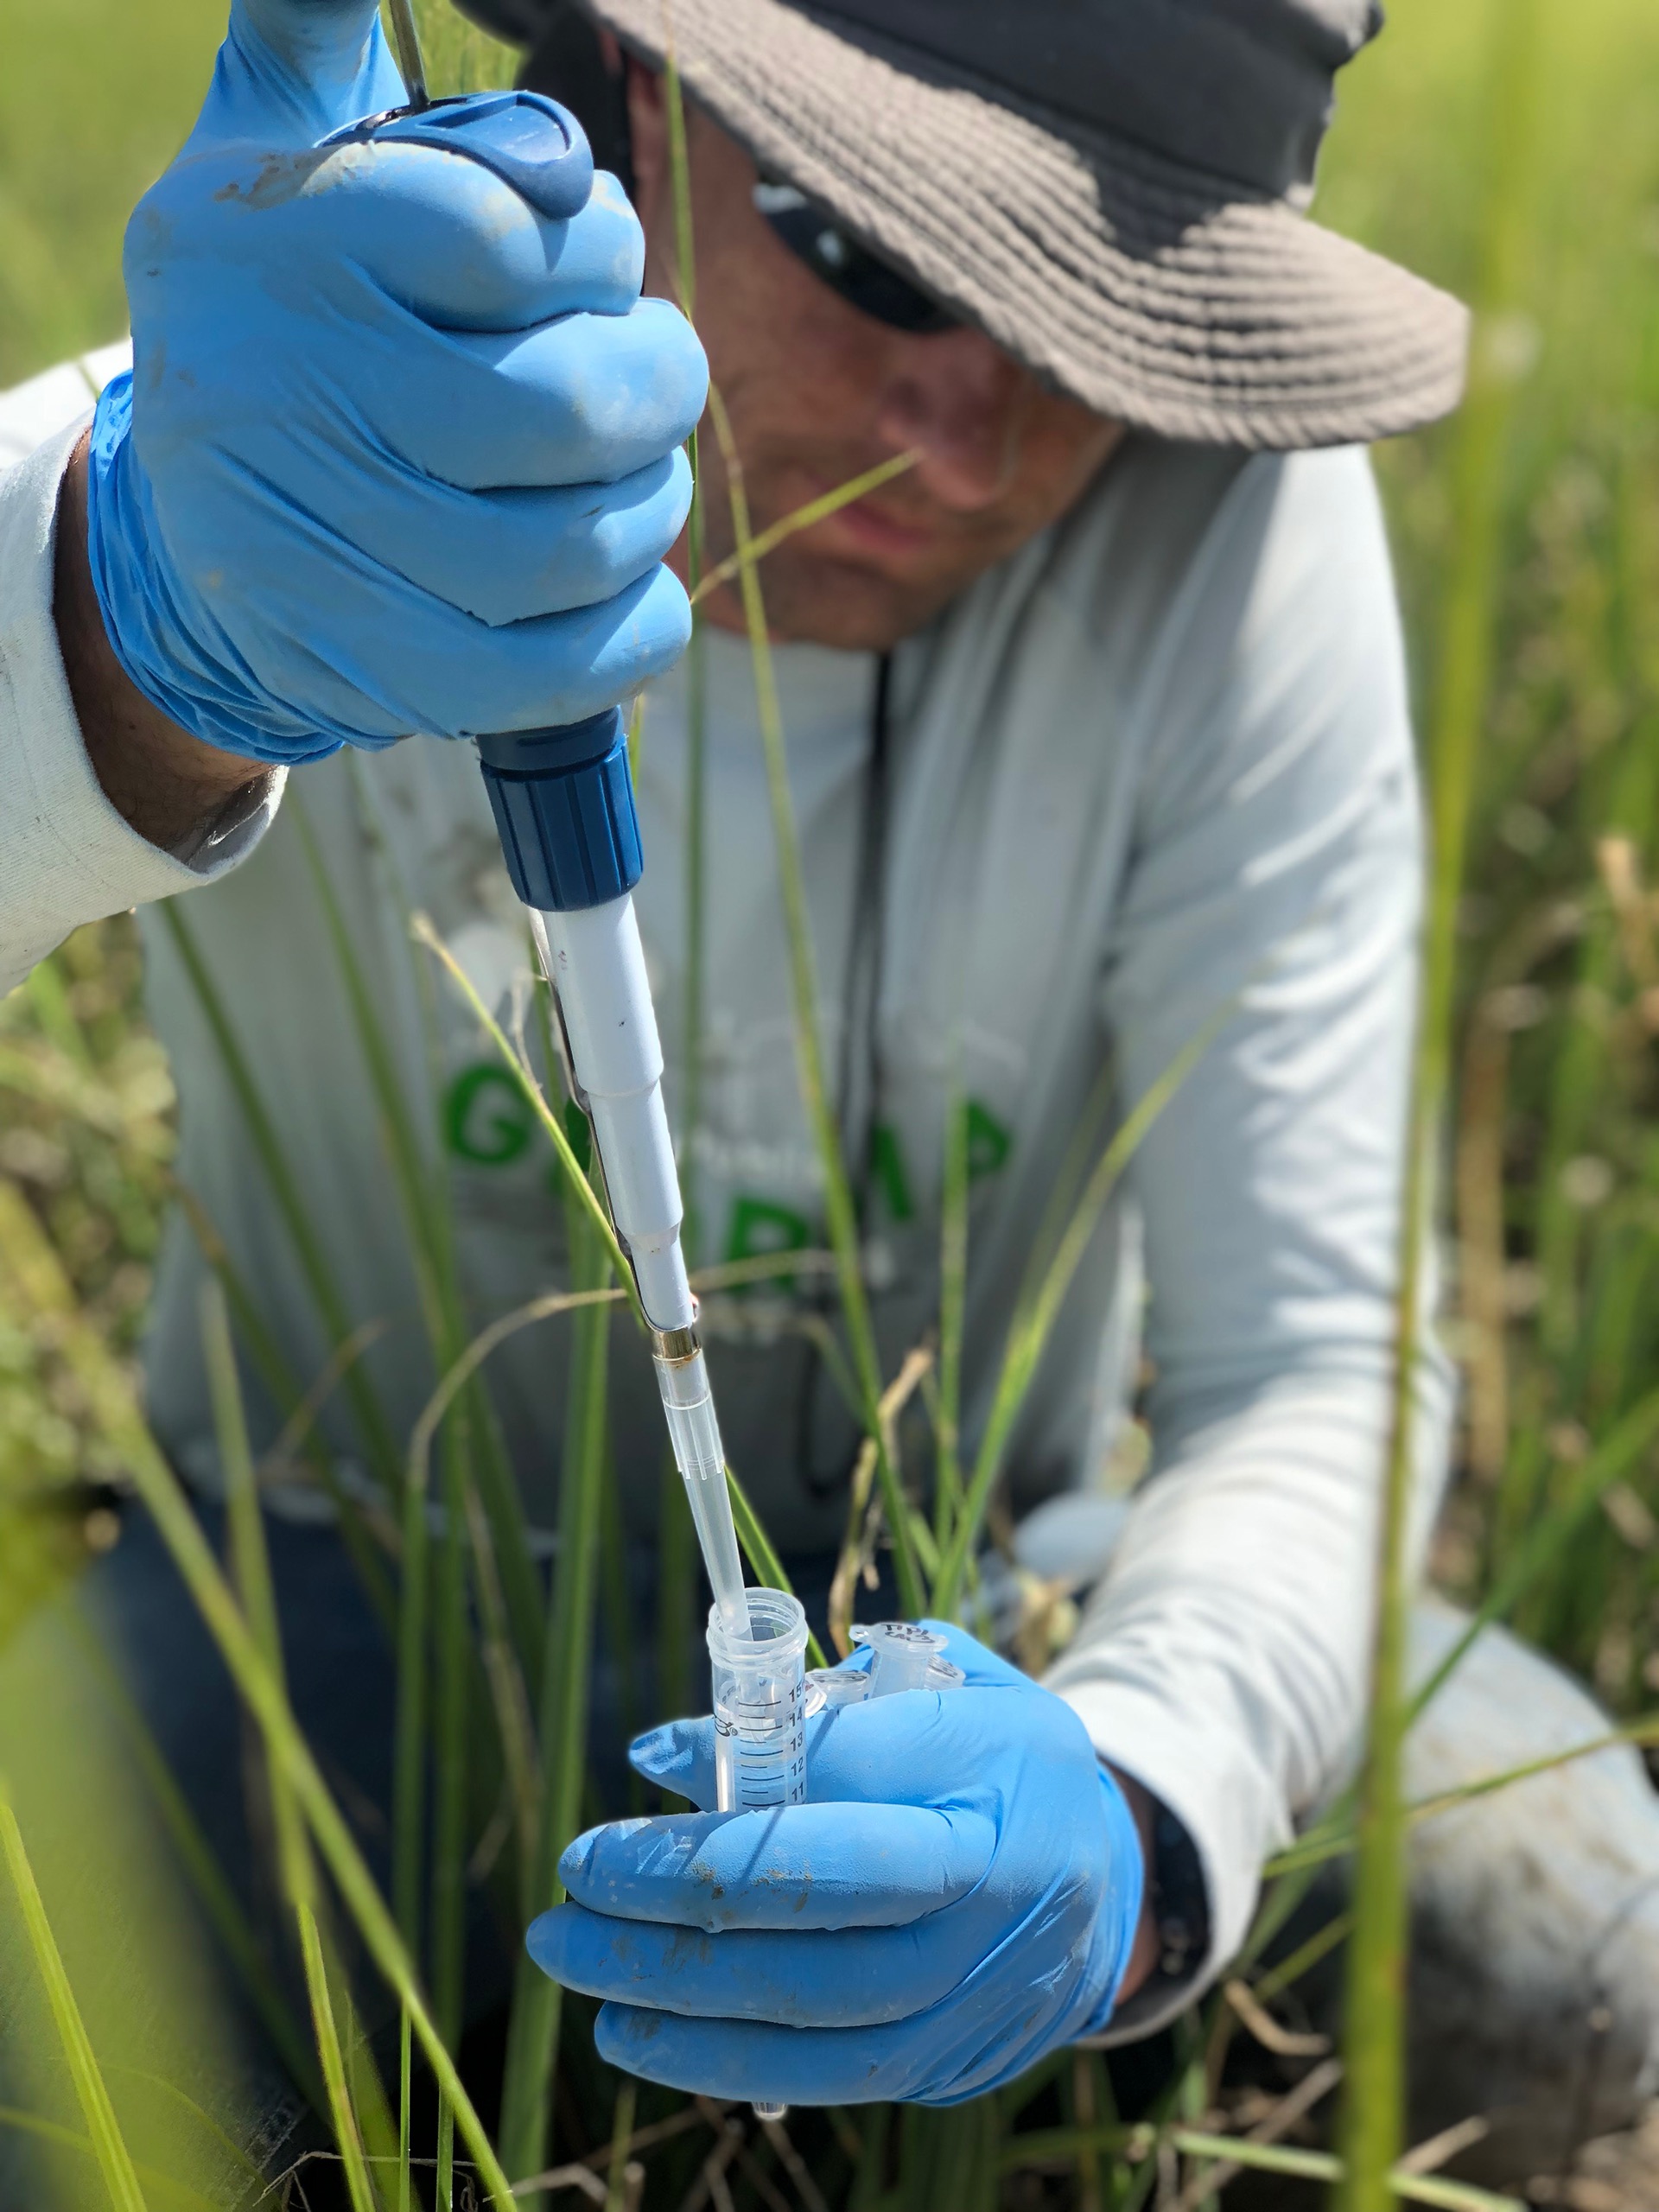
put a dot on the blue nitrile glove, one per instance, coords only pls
(398, 452)
(958, 1896)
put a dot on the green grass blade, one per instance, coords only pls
(697, 912)
(506, 1682)
(377, 2122)
(459, 57)
(1324, 1843)
(159, 2188)
(1609, 1463)
(109, 2146)
(621, 2133)
(838, 1199)
(839, 1210)
(295, 1401)
(1029, 1332)
(109, 1393)
(508, 1695)
(424, 1193)
(451, 1683)
(679, 173)
(616, 1618)
(799, 518)
(1054, 2146)
(677, 1594)
(358, 2183)
(762, 1556)
(1304, 1958)
(409, 1723)
(405, 2098)
(425, 1223)
(446, 2174)
(48, 996)
(218, 1901)
(953, 1307)
(531, 1092)
(1373, 2109)
(533, 2029)
(249, 1562)
(1319, 2165)
(696, 679)
(373, 1427)
(251, 1569)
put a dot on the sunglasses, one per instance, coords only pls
(860, 277)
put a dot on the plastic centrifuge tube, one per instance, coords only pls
(760, 1700)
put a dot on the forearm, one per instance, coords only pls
(163, 783)
(70, 852)
(1222, 1660)
(1144, 1956)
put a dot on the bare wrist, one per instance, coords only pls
(1143, 1954)
(164, 784)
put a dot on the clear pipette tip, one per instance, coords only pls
(694, 1431)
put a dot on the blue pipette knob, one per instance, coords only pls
(563, 805)
(529, 141)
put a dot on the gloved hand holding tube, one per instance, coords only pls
(957, 1897)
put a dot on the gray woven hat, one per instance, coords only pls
(1111, 189)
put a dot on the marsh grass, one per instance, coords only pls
(109, 2145)
(1374, 2115)
(1529, 536)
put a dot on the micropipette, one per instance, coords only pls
(592, 956)
(563, 799)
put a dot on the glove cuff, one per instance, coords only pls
(149, 634)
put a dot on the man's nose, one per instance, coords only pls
(959, 400)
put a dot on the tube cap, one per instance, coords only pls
(563, 805)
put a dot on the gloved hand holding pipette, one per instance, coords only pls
(400, 453)
(958, 1896)
(358, 485)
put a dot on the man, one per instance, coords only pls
(1097, 737)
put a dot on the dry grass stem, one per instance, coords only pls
(1280, 2041)
(1288, 2113)
(1426, 2157)
(795, 2166)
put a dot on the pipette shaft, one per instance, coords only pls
(593, 958)
(407, 41)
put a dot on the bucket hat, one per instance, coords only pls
(1115, 191)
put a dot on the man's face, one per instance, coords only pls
(818, 393)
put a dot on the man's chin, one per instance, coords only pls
(811, 600)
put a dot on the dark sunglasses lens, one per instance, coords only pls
(862, 280)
